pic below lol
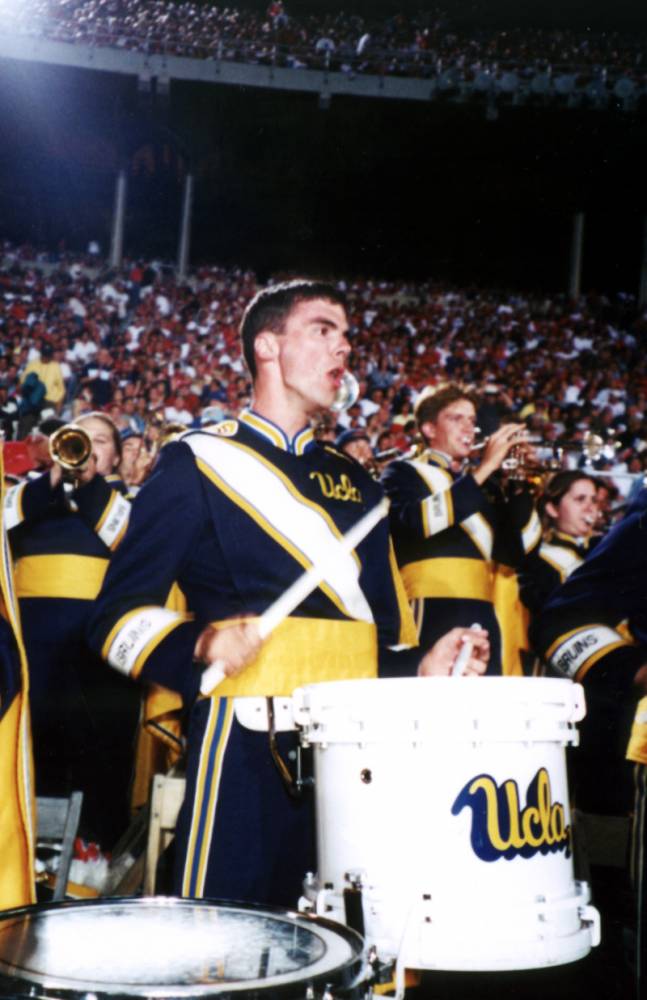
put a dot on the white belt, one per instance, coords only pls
(252, 714)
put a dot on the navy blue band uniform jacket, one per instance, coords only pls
(549, 565)
(17, 814)
(593, 629)
(449, 535)
(233, 516)
(596, 621)
(83, 715)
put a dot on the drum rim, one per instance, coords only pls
(346, 975)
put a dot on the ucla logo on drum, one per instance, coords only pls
(501, 828)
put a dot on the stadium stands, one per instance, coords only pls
(151, 349)
(566, 67)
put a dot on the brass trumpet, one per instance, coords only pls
(71, 447)
(519, 464)
(516, 466)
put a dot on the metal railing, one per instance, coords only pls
(403, 73)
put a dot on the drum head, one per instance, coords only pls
(163, 947)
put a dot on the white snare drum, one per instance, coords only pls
(162, 947)
(445, 802)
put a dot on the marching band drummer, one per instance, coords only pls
(83, 716)
(568, 508)
(449, 526)
(234, 514)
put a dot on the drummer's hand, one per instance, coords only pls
(232, 646)
(440, 659)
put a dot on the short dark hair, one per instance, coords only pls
(270, 308)
(430, 404)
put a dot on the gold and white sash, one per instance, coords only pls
(300, 526)
(560, 558)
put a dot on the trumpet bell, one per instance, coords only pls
(347, 394)
(70, 446)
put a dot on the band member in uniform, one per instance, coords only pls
(16, 780)
(449, 526)
(569, 510)
(62, 535)
(356, 443)
(594, 630)
(234, 514)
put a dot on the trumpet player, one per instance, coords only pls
(449, 527)
(568, 508)
(62, 534)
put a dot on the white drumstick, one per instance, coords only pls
(464, 654)
(299, 590)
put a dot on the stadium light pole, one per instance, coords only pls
(577, 242)
(642, 289)
(118, 220)
(185, 227)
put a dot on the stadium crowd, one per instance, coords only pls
(151, 351)
(426, 45)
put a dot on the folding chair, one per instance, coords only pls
(57, 823)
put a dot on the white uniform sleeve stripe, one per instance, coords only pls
(561, 559)
(143, 627)
(573, 653)
(531, 533)
(437, 513)
(115, 521)
(481, 534)
(13, 506)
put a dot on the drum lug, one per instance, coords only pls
(322, 906)
(310, 888)
(591, 919)
(355, 879)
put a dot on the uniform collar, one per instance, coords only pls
(302, 441)
(561, 536)
(439, 457)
